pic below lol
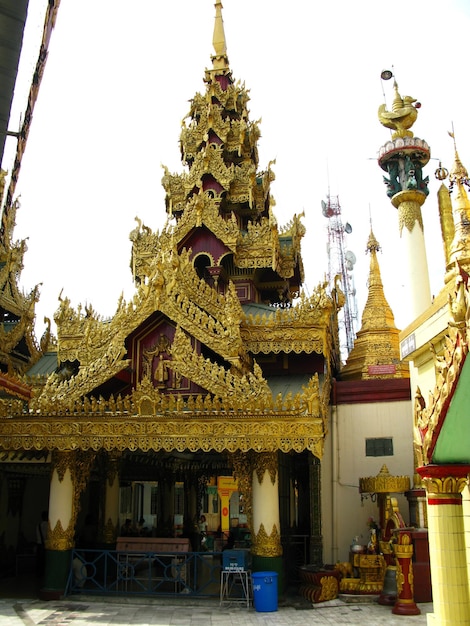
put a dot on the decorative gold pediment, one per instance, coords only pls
(203, 210)
(241, 389)
(210, 160)
(259, 246)
(174, 289)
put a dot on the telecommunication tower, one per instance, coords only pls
(341, 263)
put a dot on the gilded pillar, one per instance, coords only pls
(111, 503)
(266, 538)
(451, 599)
(70, 471)
(403, 550)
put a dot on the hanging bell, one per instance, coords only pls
(389, 591)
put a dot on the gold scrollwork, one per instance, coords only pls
(445, 486)
(60, 539)
(266, 461)
(267, 545)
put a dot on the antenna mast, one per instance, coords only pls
(341, 263)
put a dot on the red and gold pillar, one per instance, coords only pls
(403, 549)
(451, 599)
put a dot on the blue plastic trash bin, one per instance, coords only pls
(265, 591)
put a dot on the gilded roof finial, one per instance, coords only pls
(459, 248)
(458, 173)
(219, 59)
(372, 243)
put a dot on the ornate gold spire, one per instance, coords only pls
(446, 219)
(220, 58)
(460, 246)
(376, 352)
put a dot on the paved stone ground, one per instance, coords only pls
(186, 612)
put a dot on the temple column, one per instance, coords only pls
(69, 475)
(466, 523)
(410, 221)
(266, 544)
(444, 485)
(60, 539)
(403, 550)
(111, 501)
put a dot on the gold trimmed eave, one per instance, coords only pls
(297, 339)
(13, 387)
(430, 420)
(304, 327)
(286, 432)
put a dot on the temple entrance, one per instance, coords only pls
(174, 495)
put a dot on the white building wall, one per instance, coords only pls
(344, 515)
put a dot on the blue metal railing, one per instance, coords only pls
(144, 573)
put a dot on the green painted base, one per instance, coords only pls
(56, 574)
(269, 564)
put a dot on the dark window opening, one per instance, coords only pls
(379, 446)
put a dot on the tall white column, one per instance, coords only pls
(266, 524)
(416, 275)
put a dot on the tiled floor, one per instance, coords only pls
(101, 612)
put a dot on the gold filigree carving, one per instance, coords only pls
(219, 381)
(304, 327)
(409, 204)
(60, 539)
(267, 545)
(229, 432)
(267, 461)
(448, 366)
(61, 462)
(384, 482)
(329, 588)
(445, 486)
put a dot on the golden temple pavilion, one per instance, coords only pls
(204, 397)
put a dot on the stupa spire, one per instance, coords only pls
(460, 247)
(220, 58)
(376, 352)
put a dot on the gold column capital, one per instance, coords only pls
(442, 481)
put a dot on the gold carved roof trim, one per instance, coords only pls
(216, 379)
(173, 288)
(149, 420)
(428, 416)
(284, 433)
(313, 310)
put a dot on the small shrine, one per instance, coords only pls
(370, 562)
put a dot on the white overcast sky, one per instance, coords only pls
(116, 87)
